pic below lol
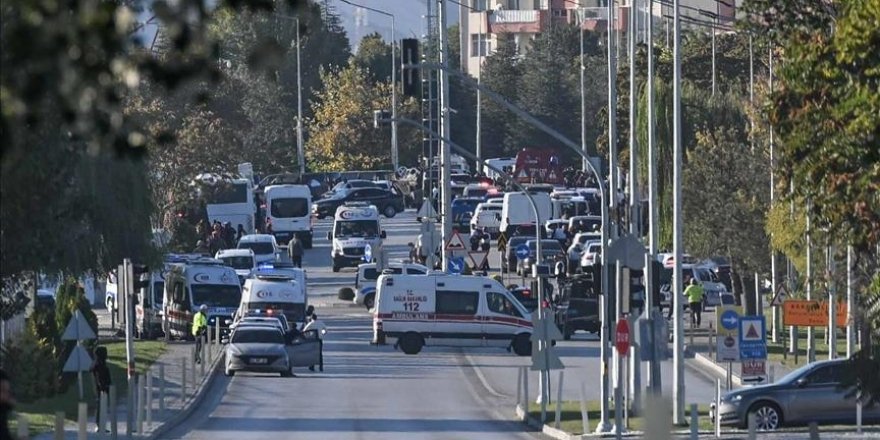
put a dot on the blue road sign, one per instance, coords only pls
(456, 265)
(752, 337)
(729, 319)
(522, 252)
(368, 253)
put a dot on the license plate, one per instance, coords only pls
(258, 360)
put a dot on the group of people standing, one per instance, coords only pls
(218, 236)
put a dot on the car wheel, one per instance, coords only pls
(522, 344)
(370, 301)
(389, 211)
(411, 343)
(768, 417)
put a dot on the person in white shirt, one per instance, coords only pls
(321, 330)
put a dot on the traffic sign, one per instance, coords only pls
(621, 337)
(753, 371)
(79, 360)
(427, 210)
(752, 337)
(502, 242)
(456, 243)
(728, 349)
(810, 313)
(780, 296)
(78, 329)
(456, 265)
(545, 358)
(522, 252)
(368, 253)
(478, 258)
(729, 319)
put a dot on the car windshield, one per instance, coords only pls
(158, 292)
(356, 228)
(259, 247)
(290, 207)
(257, 336)
(546, 246)
(243, 262)
(216, 295)
(796, 374)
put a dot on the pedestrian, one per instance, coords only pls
(295, 250)
(694, 294)
(7, 404)
(201, 248)
(101, 375)
(486, 240)
(475, 238)
(413, 253)
(320, 330)
(200, 329)
(215, 243)
(240, 233)
(559, 234)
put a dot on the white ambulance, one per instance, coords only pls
(288, 207)
(355, 226)
(276, 292)
(191, 282)
(439, 309)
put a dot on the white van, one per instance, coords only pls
(367, 274)
(288, 207)
(518, 211)
(276, 292)
(193, 282)
(355, 225)
(438, 309)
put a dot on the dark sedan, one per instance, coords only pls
(389, 203)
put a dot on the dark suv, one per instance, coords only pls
(577, 305)
(388, 202)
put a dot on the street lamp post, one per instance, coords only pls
(300, 148)
(678, 388)
(395, 155)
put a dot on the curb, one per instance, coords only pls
(190, 405)
(716, 370)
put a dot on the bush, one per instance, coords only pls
(32, 368)
(346, 294)
(43, 326)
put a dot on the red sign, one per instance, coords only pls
(621, 337)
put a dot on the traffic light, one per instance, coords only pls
(410, 56)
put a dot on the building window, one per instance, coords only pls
(479, 45)
(479, 5)
(560, 12)
(513, 5)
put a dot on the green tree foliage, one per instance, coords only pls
(31, 361)
(343, 136)
(374, 55)
(501, 73)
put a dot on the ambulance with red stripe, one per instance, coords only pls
(193, 282)
(413, 311)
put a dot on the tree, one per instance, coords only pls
(501, 73)
(343, 134)
(374, 55)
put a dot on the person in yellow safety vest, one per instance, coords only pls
(694, 294)
(199, 329)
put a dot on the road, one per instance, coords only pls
(371, 392)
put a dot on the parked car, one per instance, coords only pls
(487, 215)
(812, 393)
(551, 251)
(576, 249)
(510, 261)
(389, 203)
(347, 185)
(591, 255)
(462, 212)
(577, 305)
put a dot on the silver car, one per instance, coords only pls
(811, 393)
(258, 348)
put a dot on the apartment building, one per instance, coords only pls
(482, 21)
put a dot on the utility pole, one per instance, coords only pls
(395, 153)
(479, 140)
(678, 389)
(584, 166)
(654, 236)
(714, 23)
(632, 179)
(811, 337)
(445, 156)
(850, 304)
(832, 302)
(773, 275)
(300, 149)
(608, 204)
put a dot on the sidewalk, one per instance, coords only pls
(176, 406)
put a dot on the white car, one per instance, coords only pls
(592, 254)
(487, 215)
(578, 244)
(265, 247)
(242, 260)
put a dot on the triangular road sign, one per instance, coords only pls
(523, 174)
(455, 243)
(544, 328)
(78, 329)
(545, 361)
(780, 296)
(79, 360)
(752, 333)
(427, 210)
(477, 258)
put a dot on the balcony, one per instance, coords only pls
(517, 21)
